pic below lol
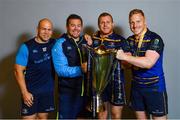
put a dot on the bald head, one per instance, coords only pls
(44, 30)
(45, 20)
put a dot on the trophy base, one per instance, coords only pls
(96, 105)
(99, 109)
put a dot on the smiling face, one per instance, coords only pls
(137, 24)
(74, 28)
(106, 25)
(44, 31)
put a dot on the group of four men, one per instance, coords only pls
(37, 59)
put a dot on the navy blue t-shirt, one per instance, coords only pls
(36, 57)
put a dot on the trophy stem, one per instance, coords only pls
(97, 105)
(94, 107)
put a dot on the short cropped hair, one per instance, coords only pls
(73, 16)
(136, 11)
(103, 15)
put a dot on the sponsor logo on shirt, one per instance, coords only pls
(45, 58)
(24, 111)
(35, 51)
(69, 47)
(111, 44)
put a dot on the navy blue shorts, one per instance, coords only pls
(70, 106)
(153, 102)
(42, 103)
(115, 95)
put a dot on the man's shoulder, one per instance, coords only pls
(118, 36)
(131, 37)
(30, 43)
(64, 35)
(60, 40)
(51, 42)
(64, 38)
(153, 35)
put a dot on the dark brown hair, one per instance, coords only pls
(73, 16)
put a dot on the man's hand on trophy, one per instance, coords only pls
(84, 67)
(121, 55)
(88, 39)
(125, 64)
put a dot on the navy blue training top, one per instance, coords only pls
(39, 73)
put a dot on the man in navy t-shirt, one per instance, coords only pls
(35, 74)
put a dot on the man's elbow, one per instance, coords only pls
(60, 73)
(68, 74)
(15, 71)
(149, 64)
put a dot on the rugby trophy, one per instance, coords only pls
(101, 63)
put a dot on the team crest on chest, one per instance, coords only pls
(112, 44)
(44, 49)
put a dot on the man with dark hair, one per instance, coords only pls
(114, 93)
(35, 74)
(148, 95)
(73, 16)
(67, 59)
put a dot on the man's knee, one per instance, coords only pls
(116, 112)
(42, 115)
(34, 116)
(103, 115)
(160, 117)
